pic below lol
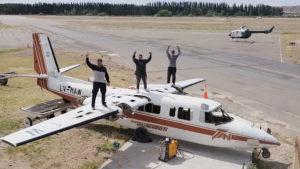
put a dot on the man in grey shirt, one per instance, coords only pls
(172, 64)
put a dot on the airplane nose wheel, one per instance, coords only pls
(265, 153)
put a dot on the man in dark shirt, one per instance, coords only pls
(100, 74)
(140, 71)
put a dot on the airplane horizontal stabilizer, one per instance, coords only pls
(68, 68)
(73, 118)
(32, 76)
(188, 83)
(178, 87)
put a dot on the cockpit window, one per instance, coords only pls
(217, 116)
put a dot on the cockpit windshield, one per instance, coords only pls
(217, 116)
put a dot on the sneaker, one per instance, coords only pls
(93, 108)
(104, 105)
(137, 91)
(146, 90)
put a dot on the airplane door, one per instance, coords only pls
(170, 113)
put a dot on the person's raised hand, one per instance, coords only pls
(150, 53)
(87, 55)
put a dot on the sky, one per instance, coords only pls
(230, 2)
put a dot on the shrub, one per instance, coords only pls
(102, 14)
(164, 12)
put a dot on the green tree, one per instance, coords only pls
(164, 12)
(175, 8)
(198, 12)
(73, 11)
(223, 13)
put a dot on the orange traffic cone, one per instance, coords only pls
(205, 93)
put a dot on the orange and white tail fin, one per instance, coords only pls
(44, 58)
(45, 63)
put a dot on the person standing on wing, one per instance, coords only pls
(100, 74)
(172, 64)
(140, 71)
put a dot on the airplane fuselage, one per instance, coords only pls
(172, 115)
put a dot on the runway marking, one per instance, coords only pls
(280, 49)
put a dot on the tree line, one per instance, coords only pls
(150, 9)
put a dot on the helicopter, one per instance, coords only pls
(244, 33)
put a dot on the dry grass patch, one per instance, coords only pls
(8, 125)
(292, 52)
(4, 26)
(30, 151)
(93, 164)
(78, 147)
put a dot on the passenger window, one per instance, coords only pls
(184, 114)
(172, 111)
(208, 117)
(141, 108)
(156, 109)
(150, 108)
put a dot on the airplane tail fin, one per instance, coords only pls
(44, 57)
(271, 29)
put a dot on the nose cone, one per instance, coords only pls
(269, 139)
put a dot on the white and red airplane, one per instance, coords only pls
(160, 111)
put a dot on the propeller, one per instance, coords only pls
(179, 90)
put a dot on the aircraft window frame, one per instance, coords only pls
(173, 111)
(224, 114)
(184, 117)
(141, 108)
(126, 108)
(155, 109)
(210, 118)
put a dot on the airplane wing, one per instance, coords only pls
(178, 87)
(73, 118)
(79, 116)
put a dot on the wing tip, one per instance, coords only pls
(9, 143)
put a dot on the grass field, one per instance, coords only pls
(188, 23)
(4, 26)
(292, 52)
(80, 148)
